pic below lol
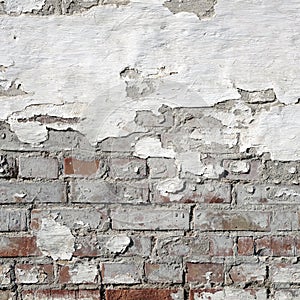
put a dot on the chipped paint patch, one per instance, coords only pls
(118, 244)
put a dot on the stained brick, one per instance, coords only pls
(163, 273)
(275, 246)
(121, 273)
(18, 246)
(13, 219)
(205, 272)
(149, 218)
(228, 293)
(245, 245)
(78, 272)
(285, 273)
(28, 192)
(81, 168)
(34, 273)
(127, 168)
(7, 295)
(232, 220)
(248, 273)
(61, 294)
(143, 294)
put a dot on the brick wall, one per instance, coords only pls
(149, 150)
(108, 224)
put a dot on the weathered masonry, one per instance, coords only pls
(149, 150)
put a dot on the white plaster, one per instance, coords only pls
(171, 188)
(55, 240)
(151, 147)
(247, 44)
(239, 166)
(18, 6)
(118, 244)
(275, 131)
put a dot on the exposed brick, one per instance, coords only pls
(78, 272)
(242, 169)
(13, 219)
(248, 273)
(18, 246)
(205, 272)
(284, 221)
(150, 218)
(228, 293)
(34, 273)
(232, 220)
(121, 273)
(100, 191)
(267, 194)
(28, 192)
(61, 294)
(245, 245)
(163, 273)
(174, 190)
(285, 273)
(221, 246)
(38, 167)
(80, 168)
(5, 274)
(275, 246)
(143, 294)
(74, 218)
(127, 168)
(161, 167)
(172, 248)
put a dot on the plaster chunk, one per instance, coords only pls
(118, 244)
(55, 240)
(151, 147)
(239, 167)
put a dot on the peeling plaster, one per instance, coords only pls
(78, 59)
(55, 240)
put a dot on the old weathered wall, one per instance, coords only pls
(149, 149)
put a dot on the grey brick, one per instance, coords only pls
(38, 167)
(161, 167)
(13, 219)
(150, 218)
(28, 192)
(121, 273)
(74, 218)
(163, 273)
(99, 191)
(267, 194)
(127, 168)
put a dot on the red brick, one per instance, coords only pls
(275, 246)
(198, 272)
(61, 294)
(245, 246)
(73, 166)
(35, 274)
(18, 246)
(141, 294)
